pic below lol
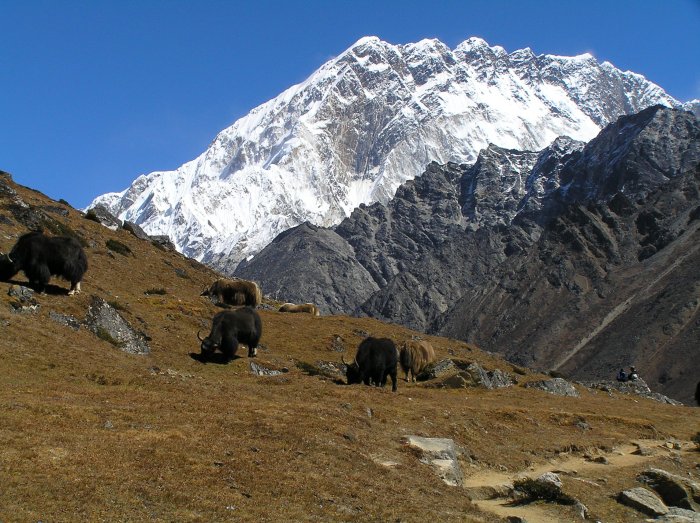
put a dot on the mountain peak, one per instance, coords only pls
(363, 124)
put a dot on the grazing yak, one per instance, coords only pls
(414, 356)
(303, 307)
(235, 292)
(229, 328)
(376, 359)
(41, 257)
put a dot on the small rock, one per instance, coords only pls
(108, 425)
(259, 370)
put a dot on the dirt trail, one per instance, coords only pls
(496, 485)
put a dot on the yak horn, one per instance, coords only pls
(198, 336)
(342, 358)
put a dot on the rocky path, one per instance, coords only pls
(491, 490)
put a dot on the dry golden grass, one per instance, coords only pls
(89, 433)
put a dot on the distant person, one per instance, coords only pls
(621, 376)
(633, 376)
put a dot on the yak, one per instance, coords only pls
(697, 393)
(229, 328)
(304, 307)
(376, 359)
(234, 292)
(41, 257)
(414, 356)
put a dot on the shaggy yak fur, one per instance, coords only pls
(414, 356)
(234, 292)
(304, 307)
(376, 359)
(229, 328)
(41, 257)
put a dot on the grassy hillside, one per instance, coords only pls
(90, 433)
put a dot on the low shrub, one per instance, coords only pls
(118, 247)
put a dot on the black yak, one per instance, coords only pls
(414, 356)
(229, 328)
(234, 292)
(303, 307)
(41, 257)
(376, 359)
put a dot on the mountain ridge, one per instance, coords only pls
(532, 275)
(360, 126)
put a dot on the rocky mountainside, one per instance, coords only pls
(587, 264)
(108, 414)
(363, 124)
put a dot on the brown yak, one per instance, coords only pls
(304, 307)
(234, 292)
(414, 356)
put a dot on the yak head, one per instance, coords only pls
(353, 371)
(209, 344)
(7, 267)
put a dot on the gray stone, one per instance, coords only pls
(22, 293)
(65, 319)
(480, 377)
(644, 501)
(101, 215)
(163, 241)
(556, 386)
(637, 387)
(675, 490)
(136, 230)
(550, 479)
(441, 454)
(103, 320)
(259, 370)
(441, 369)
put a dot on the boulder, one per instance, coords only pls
(676, 491)
(101, 215)
(441, 454)
(643, 500)
(163, 241)
(107, 324)
(556, 386)
(136, 230)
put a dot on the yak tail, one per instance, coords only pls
(258, 294)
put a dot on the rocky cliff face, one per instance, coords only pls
(588, 264)
(362, 125)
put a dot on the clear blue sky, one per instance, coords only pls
(95, 93)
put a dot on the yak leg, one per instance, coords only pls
(74, 288)
(379, 378)
(229, 346)
(252, 351)
(392, 373)
(40, 276)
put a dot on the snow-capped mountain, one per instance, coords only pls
(363, 124)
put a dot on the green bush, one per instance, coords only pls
(159, 291)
